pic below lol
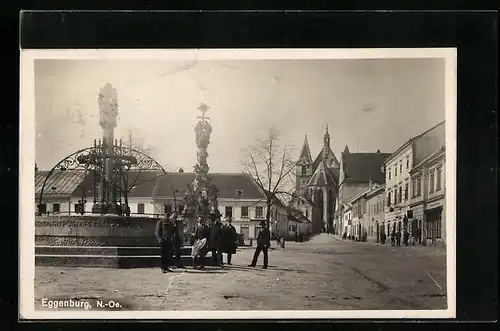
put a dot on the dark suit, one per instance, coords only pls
(214, 241)
(263, 243)
(228, 242)
(178, 243)
(164, 232)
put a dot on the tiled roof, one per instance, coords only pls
(361, 167)
(228, 185)
(323, 176)
(320, 158)
(59, 183)
(140, 184)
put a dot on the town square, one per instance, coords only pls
(235, 185)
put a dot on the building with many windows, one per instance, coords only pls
(400, 185)
(358, 172)
(428, 201)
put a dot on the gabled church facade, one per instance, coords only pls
(316, 185)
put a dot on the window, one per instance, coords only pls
(140, 208)
(78, 208)
(167, 209)
(389, 172)
(244, 212)
(407, 163)
(259, 212)
(307, 213)
(239, 193)
(419, 186)
(431, 182)
(400, 167)
(400, 195)
(406, 191)
(229, 211)
(56, 207)
(438, 228)
(438, 179)
(42, 208)
(304, 170)
(389, 199)
(395, 170)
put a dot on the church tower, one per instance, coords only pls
(303, 168)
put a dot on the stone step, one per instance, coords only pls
(108, 261)
(103, 250)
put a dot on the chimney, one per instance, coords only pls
(36, 168)
(181, 170)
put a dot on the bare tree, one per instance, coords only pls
(269, 163)
(131, 177)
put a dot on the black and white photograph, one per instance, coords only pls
(278, 183)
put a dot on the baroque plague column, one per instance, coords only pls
(108, 110)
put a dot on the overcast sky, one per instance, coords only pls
(367, 104)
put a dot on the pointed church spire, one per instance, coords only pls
(305, 153)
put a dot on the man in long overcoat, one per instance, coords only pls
(202, 233)
(164, 233)
(178, 239)
(229, 238)
(214, 239)
(263, 244)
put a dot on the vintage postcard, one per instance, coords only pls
(238, 184)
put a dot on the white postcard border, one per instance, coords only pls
(27, 161)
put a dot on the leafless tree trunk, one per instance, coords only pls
(269, 163)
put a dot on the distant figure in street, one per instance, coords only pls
(344, 236)
(229, 240)
(164, 232)
(214, 239)
(382, 238)
(393, 238)
(419, 235)
(263, 244)
(406, 237)
(398, 238)
(277, 240)
(178, 239)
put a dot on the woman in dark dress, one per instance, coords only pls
(229, 239)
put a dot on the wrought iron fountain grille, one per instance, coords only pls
(91, 161)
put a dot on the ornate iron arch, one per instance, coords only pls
(91, 159)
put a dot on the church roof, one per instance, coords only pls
(305, 153)
(363, 167)
(228, 184)
(320, 158)
(323, 176)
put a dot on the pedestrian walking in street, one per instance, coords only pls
(419, 235)
(382, 237)
(406, 237)
(263, 244)
(199, 249)
(393, 237)
(214, 240)
(229, 240)
(164, 232)
(398, 238)
(178, 239)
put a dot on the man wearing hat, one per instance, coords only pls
(229, 238)
(164, 232)
(178, 239)
(263, 244)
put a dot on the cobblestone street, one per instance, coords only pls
(322, 274)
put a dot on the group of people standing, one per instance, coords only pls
(395, 237)
(214, 237)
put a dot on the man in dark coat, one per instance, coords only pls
(229, 238)
(214, 239)
(263, 244)
(164, 233)
(178, 239)
(202, 232)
